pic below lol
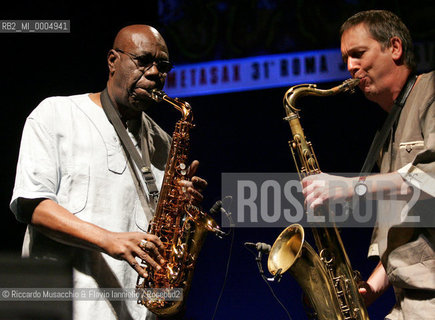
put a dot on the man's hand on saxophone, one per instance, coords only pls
(129, 245)
(320, 189)
(194, 188)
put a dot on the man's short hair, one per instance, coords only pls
(383, 25)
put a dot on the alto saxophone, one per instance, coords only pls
(179, 224)
(327, 278)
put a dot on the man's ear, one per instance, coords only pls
(396, 49)
(112, 56)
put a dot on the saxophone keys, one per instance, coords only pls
(179, 251)
(183, 168)
(173, 272)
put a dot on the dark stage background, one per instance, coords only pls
(236, 132)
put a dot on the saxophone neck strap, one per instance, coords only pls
(381, 136)
(142, 161)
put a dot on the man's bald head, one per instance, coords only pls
(131, 37)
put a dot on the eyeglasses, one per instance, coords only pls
(143, 63)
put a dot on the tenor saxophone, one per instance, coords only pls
(179, 224)
(327, 278)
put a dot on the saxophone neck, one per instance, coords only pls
(301, 90)
(304, 156)
(179, 104)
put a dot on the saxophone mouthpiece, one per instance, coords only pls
(157, 95)
(350, 84)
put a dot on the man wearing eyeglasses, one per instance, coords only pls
(76, 189)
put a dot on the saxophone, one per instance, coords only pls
(327, 278)
(179, 224)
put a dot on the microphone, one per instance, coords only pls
(263, 247)
(216, 208)
(250, 245)
(259, 246)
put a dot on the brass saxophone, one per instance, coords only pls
(179, 224)
(327, 278)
